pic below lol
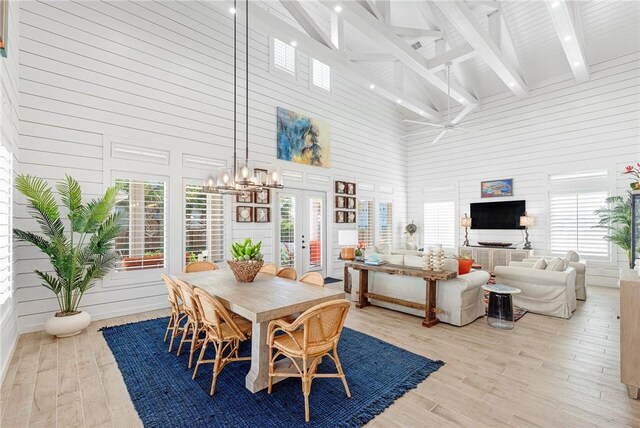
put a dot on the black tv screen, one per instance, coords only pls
(497, 215)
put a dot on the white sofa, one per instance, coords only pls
(460, 299)
(546, 292)
(581, 274)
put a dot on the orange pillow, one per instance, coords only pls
(464, 266)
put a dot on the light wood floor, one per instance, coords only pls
(547, 372)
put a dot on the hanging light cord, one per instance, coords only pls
(448, 94)
(246, 29)
(235, 88)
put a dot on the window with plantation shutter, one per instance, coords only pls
(141, 242)
(365, 223)
(439, 224)
(6, 242)
(203, 225)
(571, 218)
(321, 74)
(385, 223)
(284, 56)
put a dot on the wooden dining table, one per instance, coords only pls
(265, 299)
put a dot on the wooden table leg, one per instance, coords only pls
(258, 376)
(430, 315)
(345, 282)
(363, 289)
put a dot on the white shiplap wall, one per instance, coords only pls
(560, 126)
(9, 141)
(162, 72)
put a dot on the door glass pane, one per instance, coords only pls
(315, 232)
(287, 230)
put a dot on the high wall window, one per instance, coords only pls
(571, 221)
(203, 225)
(6, 205)
(141, 242)
(385, 223)
(284, 56)
(321, 74)
(439, 226)
(365, 222)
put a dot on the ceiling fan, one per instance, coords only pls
(451, 125)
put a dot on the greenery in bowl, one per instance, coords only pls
(246, 251)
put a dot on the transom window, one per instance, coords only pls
(284, 56)
(321, 74)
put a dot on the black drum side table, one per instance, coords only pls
(500, 311)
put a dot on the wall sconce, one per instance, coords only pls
(527, 222)
(466, 223)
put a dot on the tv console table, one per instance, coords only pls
(429, 276)
(490, 257)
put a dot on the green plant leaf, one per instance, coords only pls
(70, 193)
(42, 205)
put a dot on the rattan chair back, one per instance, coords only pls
(270, 268)
(313, 278)
(288, 273)
(214, 315)
(200, 267)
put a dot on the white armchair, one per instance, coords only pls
(581, 274)
(544, 292)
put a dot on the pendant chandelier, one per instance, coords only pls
(241, 177)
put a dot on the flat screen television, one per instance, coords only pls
(497, 215)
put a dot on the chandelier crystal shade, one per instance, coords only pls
(240, 177)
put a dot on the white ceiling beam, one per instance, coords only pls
(494, 21)
(384, 7)
(487, 6)
(357, 16)
(337, 31)
(370, 57)
(462, 18)
(415, 32)
(337, 60)
(455, 55)
(566, 19)
(307, 23)
(422, 89)
(507, 46)
(370, 6)
(398, 76)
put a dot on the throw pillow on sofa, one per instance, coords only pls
(464, 266)
(382, 249)
(540, 264)
(556, 264)
(410, 246)
(572, 256)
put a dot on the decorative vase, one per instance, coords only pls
(67, 325)
(437, 259)
(427, 259)
(245, 271)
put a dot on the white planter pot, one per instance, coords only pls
(67, 326)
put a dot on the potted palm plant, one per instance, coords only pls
(78, 257)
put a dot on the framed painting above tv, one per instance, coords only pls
(496, 188)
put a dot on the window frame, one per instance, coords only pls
(6, 291)
(317, 88)
(372, 227)
(273, 68)
(377, 222)
(455, 244)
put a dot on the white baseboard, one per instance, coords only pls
(7, 363)
(101, 316)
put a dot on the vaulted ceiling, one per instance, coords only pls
(401, 48)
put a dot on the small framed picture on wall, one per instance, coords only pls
(351, 217)
(341, 187)
(244, 214)
(261, 175)
(263, 197)
(340, 202)
(245, 197)
(262, 214)
(351, 188)
(340, 217)
(351, 203)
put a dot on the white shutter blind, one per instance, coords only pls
(321, 74)
(6, 242)
(141, 242)
(365, 223)
(284, 56)
(385, 223)
(287, 230)
(203, 225)
(571, 224)
(439, 224)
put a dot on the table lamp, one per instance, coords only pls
(348, 240)
(527, 222)
(466, 223)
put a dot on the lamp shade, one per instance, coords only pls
(465, 222)
(348, 238)
(526, 221)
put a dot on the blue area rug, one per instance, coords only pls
(164, 395)
(330, 280)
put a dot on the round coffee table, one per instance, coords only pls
(500, 311)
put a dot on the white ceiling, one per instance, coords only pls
(611, 28)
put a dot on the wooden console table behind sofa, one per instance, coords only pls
(430, 278)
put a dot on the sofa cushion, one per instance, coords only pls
(394, 259)
(382, 248)
(410, 246)
(541, 263)
(572, 256)
(413, 261)
(556, 264)
(451, 265)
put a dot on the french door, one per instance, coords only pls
(301, 231)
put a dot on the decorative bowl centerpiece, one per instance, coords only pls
(247, 260)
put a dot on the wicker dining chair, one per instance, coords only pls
(194, 323)
(200, 267)
(223, 330)
(177, 310)
(313, 335)
(288, 273)
(270, 268)
(313, 278)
